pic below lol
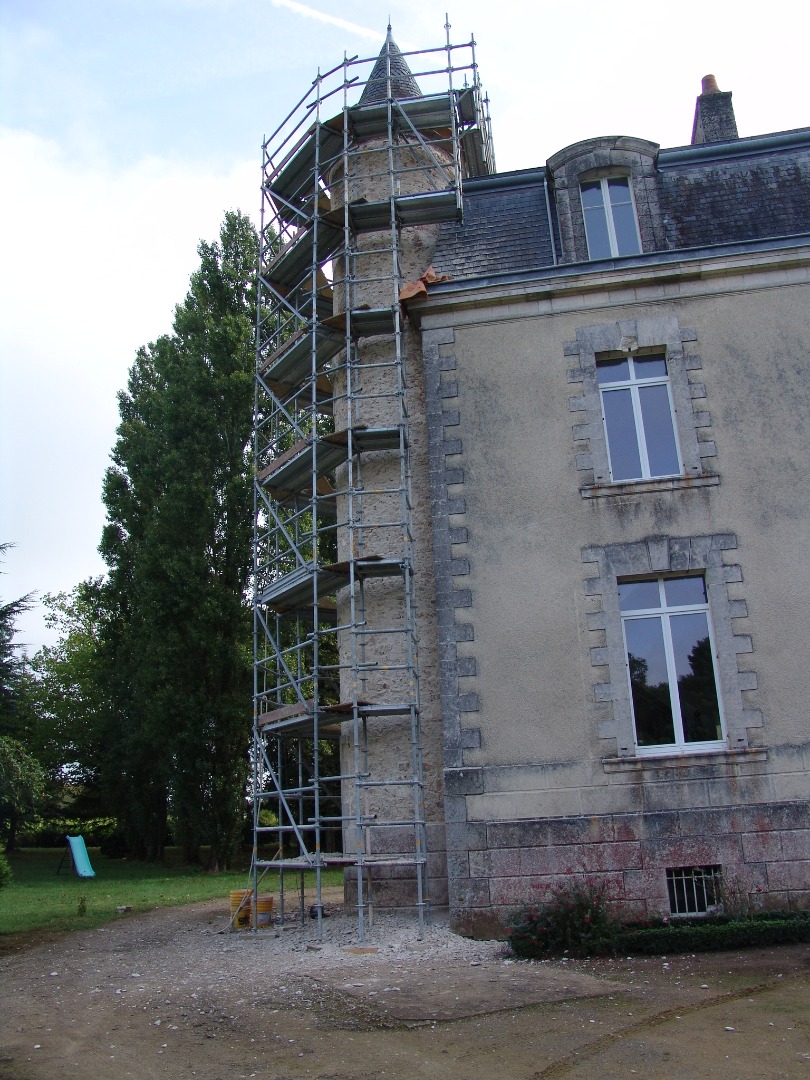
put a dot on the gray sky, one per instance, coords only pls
(129, 127)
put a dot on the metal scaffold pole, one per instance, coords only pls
(374, 152)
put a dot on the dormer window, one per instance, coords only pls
(611, 227)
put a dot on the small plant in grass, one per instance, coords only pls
(573, 919)
(5, 871)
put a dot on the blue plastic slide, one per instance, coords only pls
(81, 860)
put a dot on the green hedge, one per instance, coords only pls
(52, 831)
(529, 938)
(747, 933)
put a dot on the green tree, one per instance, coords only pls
(22, 778)
(178, 497)
(12, 664)
(66, 685)
(68, 707)
(22, 788)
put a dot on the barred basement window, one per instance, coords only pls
(693, 889)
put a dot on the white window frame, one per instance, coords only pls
(607, 210)
(633, 384)
(664, 612)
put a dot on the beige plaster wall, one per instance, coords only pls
(527, 523)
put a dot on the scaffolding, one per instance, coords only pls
(371, 153)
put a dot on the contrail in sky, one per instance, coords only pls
(334, 20)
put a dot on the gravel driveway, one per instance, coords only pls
(170, 995)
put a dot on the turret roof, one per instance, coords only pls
(403, 84)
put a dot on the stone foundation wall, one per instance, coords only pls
(763, 850)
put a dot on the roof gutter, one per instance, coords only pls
(757, 144)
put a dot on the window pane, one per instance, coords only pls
(685, 590)
(625, 462)
(624, 224)
(652, 707)
(610, 371)
(619, 188)
(596, 232)
(650, 367)
(662, 452)
(591, 194)
(696, 686)
(638, 595)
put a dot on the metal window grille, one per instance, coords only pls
(693, 889)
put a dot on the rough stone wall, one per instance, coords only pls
(764, 852)
(714, 118)
(378, 513)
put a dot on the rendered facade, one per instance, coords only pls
(620, 535)
(593, 408)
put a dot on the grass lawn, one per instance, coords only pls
(38, 899)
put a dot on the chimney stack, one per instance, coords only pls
(714, 114)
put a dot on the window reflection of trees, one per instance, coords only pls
(697, 693)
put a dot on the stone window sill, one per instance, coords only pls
(678, 761)
(643, 487)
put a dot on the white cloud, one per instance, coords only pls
(96, 259)
(325, 17)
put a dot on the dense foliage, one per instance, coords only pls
(141, 711)
(710, 935)
(174, 640)
(12, 664)
(22, 788)
(22, 777)
(574, 919)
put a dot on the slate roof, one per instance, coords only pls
(505, 228)
(403, 84)
(765, 193)
(735, 192)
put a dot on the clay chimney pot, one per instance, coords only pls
(709, 85)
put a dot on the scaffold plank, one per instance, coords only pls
(365, 322)
(299, 720)
(468, 105)
(294, 179)
(306, 582)
(292, 264)
(291, 472)
(472, 144)
(430, 113)
(371, 708)
(419, 209)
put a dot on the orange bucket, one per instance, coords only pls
(264, 911)
(241, 908)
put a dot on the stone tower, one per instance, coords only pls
(345, 600)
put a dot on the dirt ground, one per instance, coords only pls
(169, 995)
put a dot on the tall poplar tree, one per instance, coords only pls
(177, 544)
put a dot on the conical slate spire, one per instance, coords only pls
(403, 84)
